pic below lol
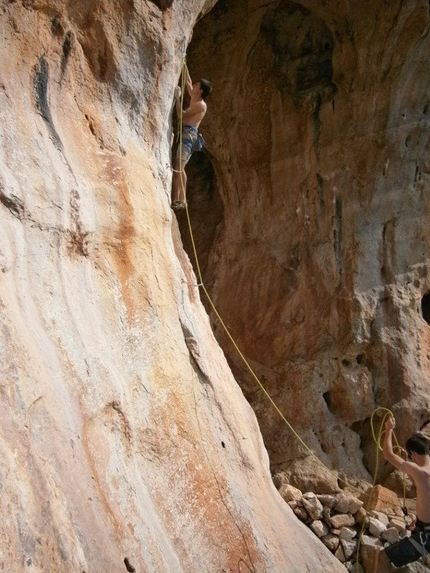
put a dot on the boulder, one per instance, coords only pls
(289, 492)
(301, 513)
(361, 516)
(347, 503)
(312, 505)
(380, 515)
(398, 523)
(354, 567)
(327, 500)
(326, 514)
(349, 548)
(379, 498)
(319, 528)
(308, 475)
(342, 520)
(369, 551)
(339, 554)
(331, 541)
(419, 567)
(376, 527)
(347, 533)
(391, 535)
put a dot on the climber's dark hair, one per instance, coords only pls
(418, 444)
(206, 87)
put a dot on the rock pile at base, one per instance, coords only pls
(345, 527)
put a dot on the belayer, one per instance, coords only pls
(417, 467)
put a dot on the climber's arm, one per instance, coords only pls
(178, 101)
(189, 83)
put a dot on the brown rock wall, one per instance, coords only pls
(318, 132)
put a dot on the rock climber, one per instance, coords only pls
(417, 467)
(191, 118)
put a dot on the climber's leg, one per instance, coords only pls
(179, 179)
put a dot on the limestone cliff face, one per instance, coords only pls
(125, 442)
(314, 220)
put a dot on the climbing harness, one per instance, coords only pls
(421, 547)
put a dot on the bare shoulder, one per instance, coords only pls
(416, 472)
(423, 472)
(200, 106)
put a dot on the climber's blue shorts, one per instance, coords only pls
(189, 138)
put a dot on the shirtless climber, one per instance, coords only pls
(417, 467)
(191, 118)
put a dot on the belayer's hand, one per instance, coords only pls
(390, 424)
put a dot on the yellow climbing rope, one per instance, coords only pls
(378, 438)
